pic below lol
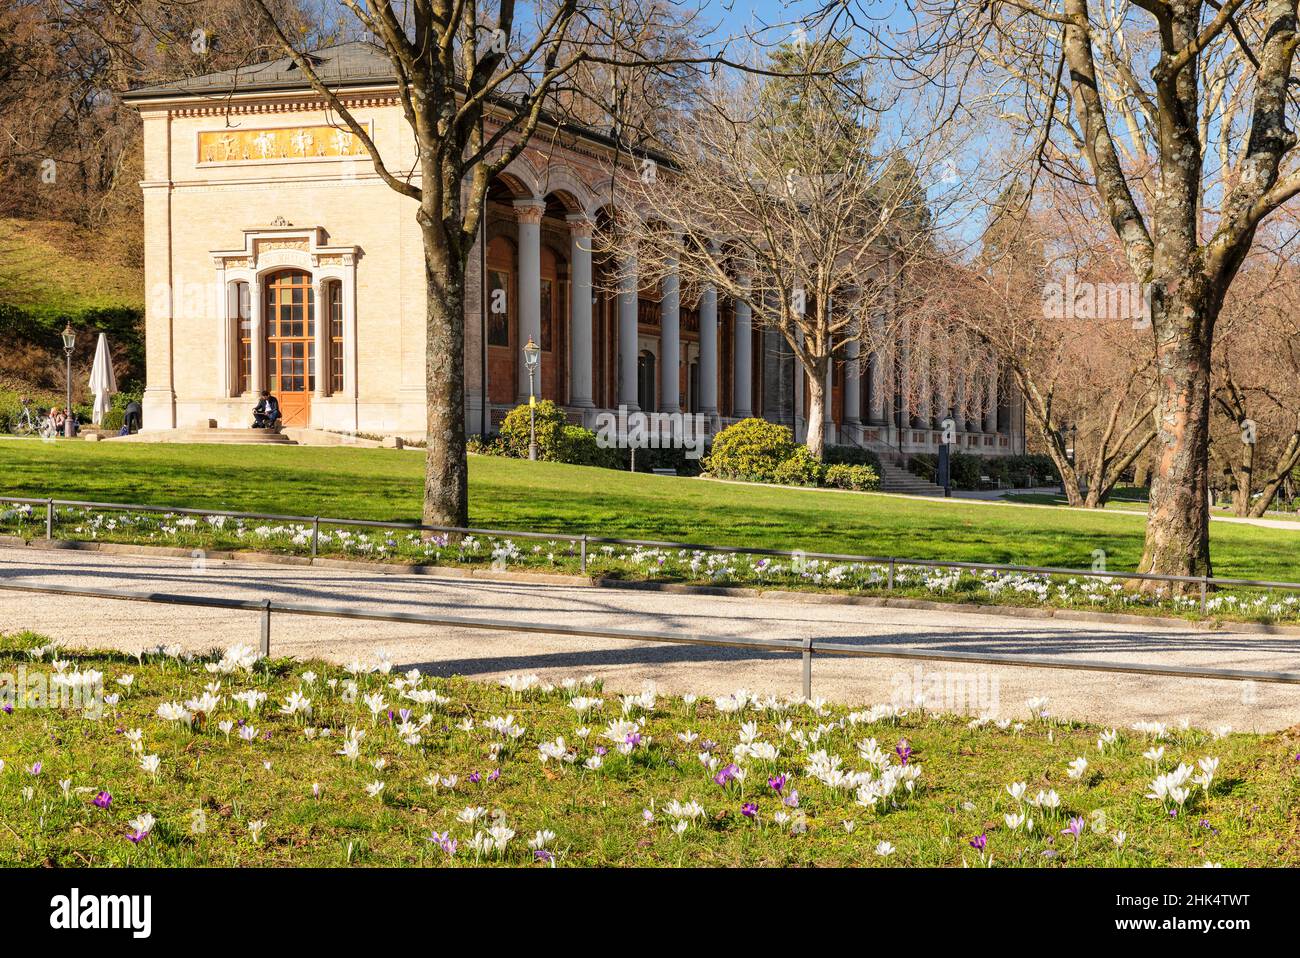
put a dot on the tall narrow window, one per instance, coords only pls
(334, 293)
(498, 308)
(243, 339)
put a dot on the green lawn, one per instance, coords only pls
(434, 764)
(385, 484)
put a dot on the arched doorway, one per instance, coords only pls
(290, 312)
(502, 321)
(646, 381)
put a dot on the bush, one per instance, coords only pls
(752, 449)
(851, 456)
(550, 423)
(844, 476)
(964, 469)
(486, 445)
(578, 447)
(801, 469)
(112, 422)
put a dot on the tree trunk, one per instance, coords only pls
(1178, 518)
(446, 472)
(817, 399)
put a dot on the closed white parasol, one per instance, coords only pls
(102, 381)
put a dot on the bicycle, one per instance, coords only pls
(39, 424)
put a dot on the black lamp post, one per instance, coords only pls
(532, 359)
(69, 344)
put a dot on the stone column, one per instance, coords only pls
(321, 322)
(580, 312)
(798, 413)
(627, 333)
(828, 410)
(852, 382)
(742, 360)
(991, 400)
(257, 338)
(670, 342)
(529, 214)
(350, 332)
(876, 376)
(709, 352)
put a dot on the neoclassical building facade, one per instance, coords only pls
(275, 258)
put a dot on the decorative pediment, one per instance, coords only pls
(282, 244)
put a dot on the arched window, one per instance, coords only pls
(334, 307)
(243, 339)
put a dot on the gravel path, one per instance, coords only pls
(625, 666)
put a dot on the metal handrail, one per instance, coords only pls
(583, 539)
(805, 647)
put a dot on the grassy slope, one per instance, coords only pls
(385, 484)
(1248, 818)
(48, 264)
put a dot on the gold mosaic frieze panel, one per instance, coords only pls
(285, 144)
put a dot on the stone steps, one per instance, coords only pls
(896, 479)
(237, 436)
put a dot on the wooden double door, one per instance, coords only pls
(289, 314)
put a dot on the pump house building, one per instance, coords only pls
(275, 258)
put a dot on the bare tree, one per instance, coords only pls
(1179, 115)
(1042, 296)
(788, 195)
(1255, 441)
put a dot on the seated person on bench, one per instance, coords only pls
(266, 412)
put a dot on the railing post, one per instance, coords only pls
(264, 632)
(49, 518)
(1205, 584)
(807, 668)
(315, 535)
(891, 575)
(584, 554)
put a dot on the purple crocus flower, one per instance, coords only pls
(102, 799)
(633, 739)
(444, 841)
(1075, 827)
(749, 810)
(135, 838)
(602, 751)
(494, 775)
(979, 842)
(475, 778)
(9, 710)
(35, 769)
(541, 854)
(792, 800)
(904, 750)
(405, 714)
(726, 773)
(776, 782)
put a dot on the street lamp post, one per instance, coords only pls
(532, 359)
(69, 344)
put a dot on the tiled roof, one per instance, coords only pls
(352, 64)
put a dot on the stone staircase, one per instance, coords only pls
(238, 436)
(897, 479)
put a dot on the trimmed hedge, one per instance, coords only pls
(1013, 471)
(752, 450)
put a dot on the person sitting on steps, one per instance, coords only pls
(267, 412)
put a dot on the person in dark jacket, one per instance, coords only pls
(131, 419)
(266, 412)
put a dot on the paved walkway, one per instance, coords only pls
(1107, 698)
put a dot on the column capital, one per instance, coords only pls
(580, 225)
(529, 211)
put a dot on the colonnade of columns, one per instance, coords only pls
(867, 398)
